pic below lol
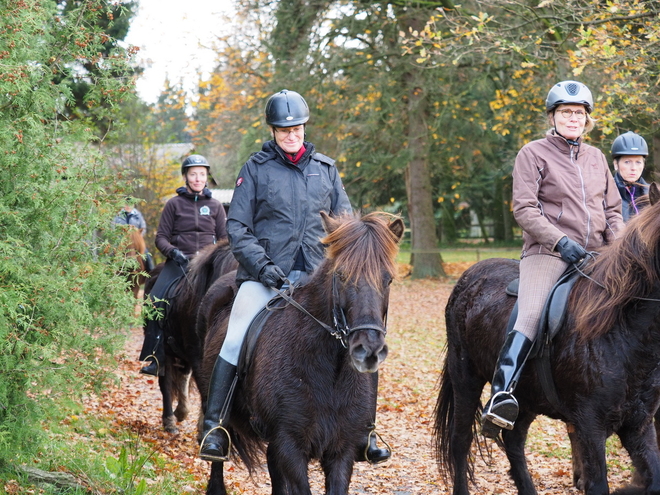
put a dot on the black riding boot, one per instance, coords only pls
(501, 411)
(216, 442)
(152, 349)
(369, 450)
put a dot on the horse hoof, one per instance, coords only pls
(180, 415)
(170, 425)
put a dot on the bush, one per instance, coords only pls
(61, 302)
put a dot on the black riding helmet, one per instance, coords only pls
(194, 161)
(629, 143)
(286, 109)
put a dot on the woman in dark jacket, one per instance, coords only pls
(629, 152)
(190, 221)
(274, 230)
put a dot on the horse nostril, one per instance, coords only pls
(359, 353)
(382, 354)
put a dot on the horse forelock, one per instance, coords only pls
(361, 248)
(627, 269)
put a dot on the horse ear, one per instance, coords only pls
(329, 224)
(654, 193)
(398, 228)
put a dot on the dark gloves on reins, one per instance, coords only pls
(272, 276)
(570, 251)
(180, 258)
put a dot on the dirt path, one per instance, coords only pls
(408, 381)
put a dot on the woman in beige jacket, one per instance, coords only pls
(566, 202)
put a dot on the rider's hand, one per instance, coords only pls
(180, 258)
(272, 276)
(570, 251)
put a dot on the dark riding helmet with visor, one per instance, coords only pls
(286, 109)
(194, 161)
(569, 93)
(629, 143)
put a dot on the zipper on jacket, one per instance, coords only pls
(584, 196)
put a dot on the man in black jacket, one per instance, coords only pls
(274, 228)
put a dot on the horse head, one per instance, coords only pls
(362, 253)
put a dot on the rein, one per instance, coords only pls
(340, 329)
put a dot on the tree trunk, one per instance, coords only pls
(425, 256)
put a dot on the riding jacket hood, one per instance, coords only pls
(630, 194)
(190, 222)
(275, 210)
(561, 189)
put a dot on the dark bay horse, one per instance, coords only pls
(307, 393)
(605, 364)
(183, 348)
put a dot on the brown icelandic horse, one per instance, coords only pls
(307, 391)
(183, 348)
(134, 249)
(604, 362)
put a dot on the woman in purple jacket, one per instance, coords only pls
(190, 221)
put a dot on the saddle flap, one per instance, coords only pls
(253, 332)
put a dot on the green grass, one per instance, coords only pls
(101, 457)
(467, 254)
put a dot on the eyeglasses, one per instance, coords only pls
(285, 131)
(567, 114)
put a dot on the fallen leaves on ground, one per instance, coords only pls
(407, 394)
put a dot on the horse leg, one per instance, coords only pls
(576, 458)
(641, 444)
(165, 385)
(216, 484)
(287, 468)
(591, 447)
(181, 388)
(514, 445)
(338, 472)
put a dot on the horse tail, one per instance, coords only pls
(443, 428)
(444, 420)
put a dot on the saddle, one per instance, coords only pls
(253, 332)
(552, 317)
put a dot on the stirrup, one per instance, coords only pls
(213, 458)
(155, 360)
(374, 433)
(495, 418)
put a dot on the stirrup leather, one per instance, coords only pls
(495, 418)
(213, 458)
(374, 433)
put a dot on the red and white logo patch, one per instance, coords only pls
(239, 181)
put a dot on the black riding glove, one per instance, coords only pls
(570, 251)
(272, 276)
(180, 258)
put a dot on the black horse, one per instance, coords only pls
(307, 393)
(604, 363)
(183, 348)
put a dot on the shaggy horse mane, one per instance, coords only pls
(361, 247)
(625, 271)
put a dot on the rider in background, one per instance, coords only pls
(629, 152)
(566, 202)
(274, 228)
(129, 215)
(190, 221)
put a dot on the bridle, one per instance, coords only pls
(339, 329)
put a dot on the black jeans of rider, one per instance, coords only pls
(152, 347)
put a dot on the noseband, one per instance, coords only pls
(339, 329)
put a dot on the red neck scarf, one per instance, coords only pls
(296, 158)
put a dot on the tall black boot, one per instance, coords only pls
(152, 349)
(501, 411)
(216, 442)
(369, 450)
